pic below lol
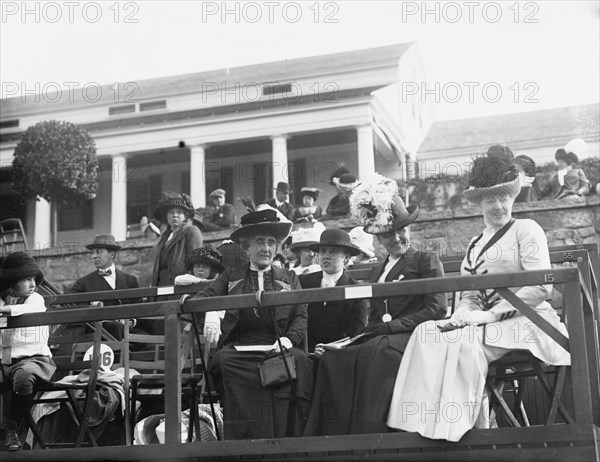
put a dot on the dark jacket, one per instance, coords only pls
(291, 319)
(285, 208)
(330, 321)
(93, 282)
(220, 218)
(408, 311)
(339, 206)
(575, 181)
(176, 251)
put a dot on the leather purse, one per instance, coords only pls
(272, 369)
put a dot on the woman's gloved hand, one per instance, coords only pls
(479, 317)
(286, 342)
(212, 326)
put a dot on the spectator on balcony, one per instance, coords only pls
(364, 241)
(302, 240)
(308, 211)
(353, 386)
(178, 241)
(530, 189)
(106, 276)
(443, 369)
(25, 358)
(281, 201)
(339, 205)
(331, 321)
(250, 409)
(568, 182)
(220, 215)
(291, 257)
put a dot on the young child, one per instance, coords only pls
(205, 263)
(25, 359)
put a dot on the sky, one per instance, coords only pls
(480, 58)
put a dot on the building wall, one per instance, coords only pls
(446, 233)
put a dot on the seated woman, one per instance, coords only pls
(302, 240)
(251, 410)
(331, 321)
(25, 357)
(353, 387)
(308, 211)
(568, 182)
(454, 365)
(203, 264)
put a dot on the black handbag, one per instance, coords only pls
(273, 371)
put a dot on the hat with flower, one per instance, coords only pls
(375, 203)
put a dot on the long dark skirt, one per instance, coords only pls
(354, 386)
(252, 411)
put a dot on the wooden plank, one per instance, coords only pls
(558, 443)
(580, 373)
(173, 376)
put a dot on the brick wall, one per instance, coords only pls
(447, 233)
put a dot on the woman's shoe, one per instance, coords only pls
(12, 437)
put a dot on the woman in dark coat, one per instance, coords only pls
(251, 410)
(354, 386)
(178, 241)
(174, 247)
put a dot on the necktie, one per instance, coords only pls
(261, 280)
(102, 272)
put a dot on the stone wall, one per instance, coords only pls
(447, 233)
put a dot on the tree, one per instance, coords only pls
(57, 161)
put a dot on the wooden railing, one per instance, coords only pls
(578, 306)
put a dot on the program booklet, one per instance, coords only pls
(342, 343)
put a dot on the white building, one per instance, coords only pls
(243, 129)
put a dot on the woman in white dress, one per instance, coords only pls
(440, 384)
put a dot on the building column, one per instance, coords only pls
(198, 176)
(118, 198)
(280, 159)
(366, 153)
(42, 228)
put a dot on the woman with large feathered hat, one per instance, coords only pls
(446, 363)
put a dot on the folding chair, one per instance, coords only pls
(73, 392)
(151, 363)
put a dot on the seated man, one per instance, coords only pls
(281, 201)
(221, 215)
(330, 321)
(354, 386)
(107, 277)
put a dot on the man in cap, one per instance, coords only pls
(222, 215)
(106, 277)
(281, 201)
(330, 321)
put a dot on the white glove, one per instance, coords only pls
(286, 342)
(458, 317)
(480, 317)
(186, 280)
(212, 326)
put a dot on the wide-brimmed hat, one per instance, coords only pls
(217, 193)
(283, 187)
(347, 182)
(336, 238)
(362, 240)
(312, 192)
(492, 176)
(375, 203)
(103, 241)
(171, 200)
(205, 254)
(265, 220)
(17, 266)
(305, 237)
